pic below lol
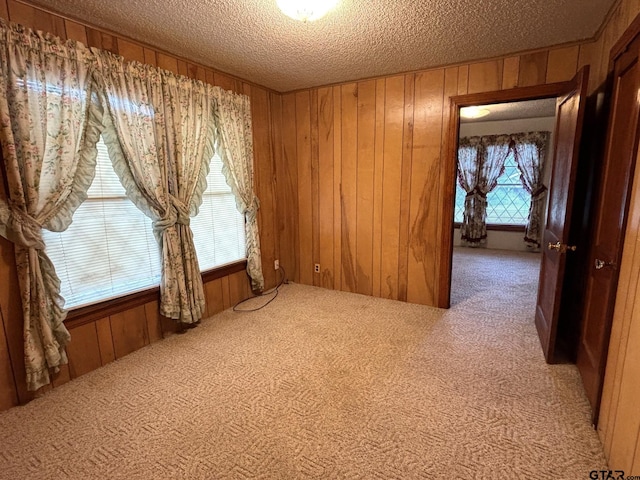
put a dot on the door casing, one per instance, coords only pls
(552, 90)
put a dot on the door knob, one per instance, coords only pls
(561, 247)
(600, 264)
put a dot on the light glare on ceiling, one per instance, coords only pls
(474, 112)
(306, 10)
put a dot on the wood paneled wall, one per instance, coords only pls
(360, 183)
(355, 173)
(98, 342)
(619, 421)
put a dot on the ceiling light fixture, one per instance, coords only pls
(474, 112)
(306, 10)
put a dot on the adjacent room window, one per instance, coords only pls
(109, 249)
(507, 204)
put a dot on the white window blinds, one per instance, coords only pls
(218, 229)
(109, 249)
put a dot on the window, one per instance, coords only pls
(109, 249)
(507, 204)
(218, 229)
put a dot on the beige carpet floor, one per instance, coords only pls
(322, 384)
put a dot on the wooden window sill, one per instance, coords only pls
(90, 313)
(501, 228)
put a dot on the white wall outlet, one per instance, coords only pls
(276, 264)
(317, 268)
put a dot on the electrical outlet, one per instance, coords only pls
(317, 268)
(276, 264)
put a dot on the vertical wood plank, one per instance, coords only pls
(129, 330)
(392, 179)
(463, 79)
(305, 207)
(377, 186)
(510, 72)
(11, 304)
(238, 283)
(192, 70)
(201, 74)
(226, 297)
(315, 186)
(627, 425)
(337, 189)
(614, 421)
(83, 350)
(445, 191)
(105, 340)
(425, 180)
(50, 23)
(562, 64)
(349, 188)
(167, 62)
(365, 178)
(287, 177)
(618, 344)
(154, 323)
(263, 180)
(150, 56)
(485, 76)
(533, 69)
(22, 14)
(8, 392)
(325, 185)
(131, 51)
(211, 79)
(275, 121)
(76, 31)
(182, 68)
(224, 81)
(99, 39)
(636, 459)
(585, 57)
(62, 376)
(4, 10)
(213, 293)
(632, 10)
(405, 189)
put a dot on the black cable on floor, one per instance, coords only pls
(263, 294)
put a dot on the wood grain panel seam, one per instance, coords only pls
(13, 373)
(445, 66)
(405, 182)
(623, 367)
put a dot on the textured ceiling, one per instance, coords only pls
(360, 38)
(516, 110)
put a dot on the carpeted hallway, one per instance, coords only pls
(322, 384)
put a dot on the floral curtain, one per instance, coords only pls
(468, 171)
(158, 131)
(530, 154)
(234, 144)
(491, 153)
(190, 137)
(50, 122)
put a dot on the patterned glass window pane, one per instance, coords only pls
(507, 204)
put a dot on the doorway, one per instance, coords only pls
(570, 110)
(507, 245)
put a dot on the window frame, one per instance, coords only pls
(503, 227)
(89, 313)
